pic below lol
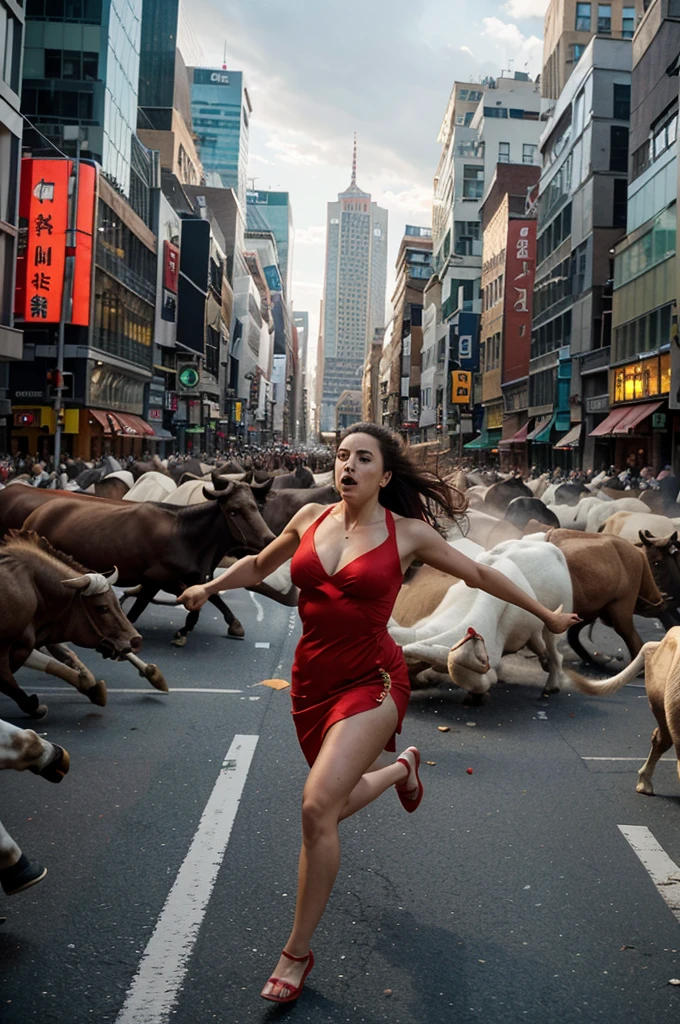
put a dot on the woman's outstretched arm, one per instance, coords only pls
(432, 549)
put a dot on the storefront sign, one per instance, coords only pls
(82, 272)
(170, 278)
(599, 403)
(659, 421)
(519, 292)
(43, 217)
(461, 387)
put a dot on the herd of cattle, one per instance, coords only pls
(601, 553)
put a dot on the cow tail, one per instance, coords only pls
(602, 687)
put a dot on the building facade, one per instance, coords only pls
(354, 292)
(220, 114)
(271, 211)
(569, 27)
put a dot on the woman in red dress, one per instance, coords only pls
(350, 686)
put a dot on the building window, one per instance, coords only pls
(628, 23)
(528, 153)
(503, 152)
(664, 137)
(604, 19)
(620, 203)
(622, 102)
(618, 148)
(582, 18)
(473, 182)
(578, 49)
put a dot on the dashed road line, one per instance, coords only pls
(663, 871)
(642, 757)
(149, 689)
(159, 978)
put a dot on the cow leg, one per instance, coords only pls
(236, 630)
(555, 660)
(661, 742)
(30, 705)
(143, 600)
(537, 647)
(621, 617)
(574, 640)
(65, 664)
(23, 750)
(180, 637)
(16, 871)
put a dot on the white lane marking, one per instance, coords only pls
(156, 985)
(149, 689)
(663, 871)
(640, 758)
(258, 605)
(263, 644)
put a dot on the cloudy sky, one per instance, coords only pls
(320, 70)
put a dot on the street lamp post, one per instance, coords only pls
(71, 133)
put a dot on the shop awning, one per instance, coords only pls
(102, 419)
(570, 440)
(606, 428)
(134, 426)
(160, 433)
(518, 438)
(541, 432)
(635, 415)
(486, 440)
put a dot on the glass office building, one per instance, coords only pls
(271, 211)
(81, 66)
(220, 115)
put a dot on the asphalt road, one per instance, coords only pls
(511, 895)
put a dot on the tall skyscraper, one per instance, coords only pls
(84, 72)
(271, 211)
(220, 114)
(354, 291)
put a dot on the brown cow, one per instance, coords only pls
(47, 598)
(161, 546)
(612, 581)
(499, 495)
(280, 506)
(662, 682)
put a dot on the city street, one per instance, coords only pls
(511, 895)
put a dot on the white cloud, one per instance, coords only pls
(466, 49)
(512, 42)
(526, 8)
(297, 149)
(314, 235)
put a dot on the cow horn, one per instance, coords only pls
(90, 583)
(213, 495)
(112, 577)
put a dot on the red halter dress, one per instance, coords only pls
(346, 661)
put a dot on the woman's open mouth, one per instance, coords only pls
(347, 481)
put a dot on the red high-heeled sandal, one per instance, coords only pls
(408, 804)
(294, 992)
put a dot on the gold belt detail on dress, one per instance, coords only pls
(387, 685)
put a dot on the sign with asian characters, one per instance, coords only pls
(519, 298)
(461, 387)
(43, 215)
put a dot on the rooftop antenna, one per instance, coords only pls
(354, 162)
(224, 59)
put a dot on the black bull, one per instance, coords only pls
(161, 547)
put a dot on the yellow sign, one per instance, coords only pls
(461, 387)
(238, 411)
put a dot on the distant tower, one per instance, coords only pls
(354, 290)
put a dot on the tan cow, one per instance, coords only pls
(630, 524)
(662, 682)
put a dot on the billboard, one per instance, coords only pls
(41, 258)
(461, 387)
(520, 268)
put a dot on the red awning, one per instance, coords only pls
(606, 428)
(634, 416)
(134, 426)
(518, 438)
(101, 417)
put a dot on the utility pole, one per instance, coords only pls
(71, 133)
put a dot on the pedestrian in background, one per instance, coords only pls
(350, 685)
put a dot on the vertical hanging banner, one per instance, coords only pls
(82, 274)
(461, 387)
(43, 218)
(519, 298)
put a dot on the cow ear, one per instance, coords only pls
(263, 489)
(644, 536)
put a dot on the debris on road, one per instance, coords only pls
(469, 771)
(274, 684)
(471, 725)
(444, 728)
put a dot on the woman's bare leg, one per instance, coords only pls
(349, 749)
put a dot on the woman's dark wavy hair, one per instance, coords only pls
(412, 492)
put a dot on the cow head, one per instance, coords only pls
(468, 663)
(242, 515)
(96, 620)
(663, 555)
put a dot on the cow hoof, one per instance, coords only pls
(646, 788)
(547, 692)
(36, 710)
(156, 677)
(57, 768)
(21, 875)
(236, 630)
(97, 693)
(179, 640)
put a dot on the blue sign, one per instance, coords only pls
(466, 333)
(273, 278)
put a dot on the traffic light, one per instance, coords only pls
(188, 378)
(55, 379)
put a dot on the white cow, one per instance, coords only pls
(23, 749)
(151, 486)
(493, 627)
(599, 514)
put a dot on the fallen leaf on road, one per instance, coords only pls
(274, 684)
(626, 947)
(444, 728)
(430, 762)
